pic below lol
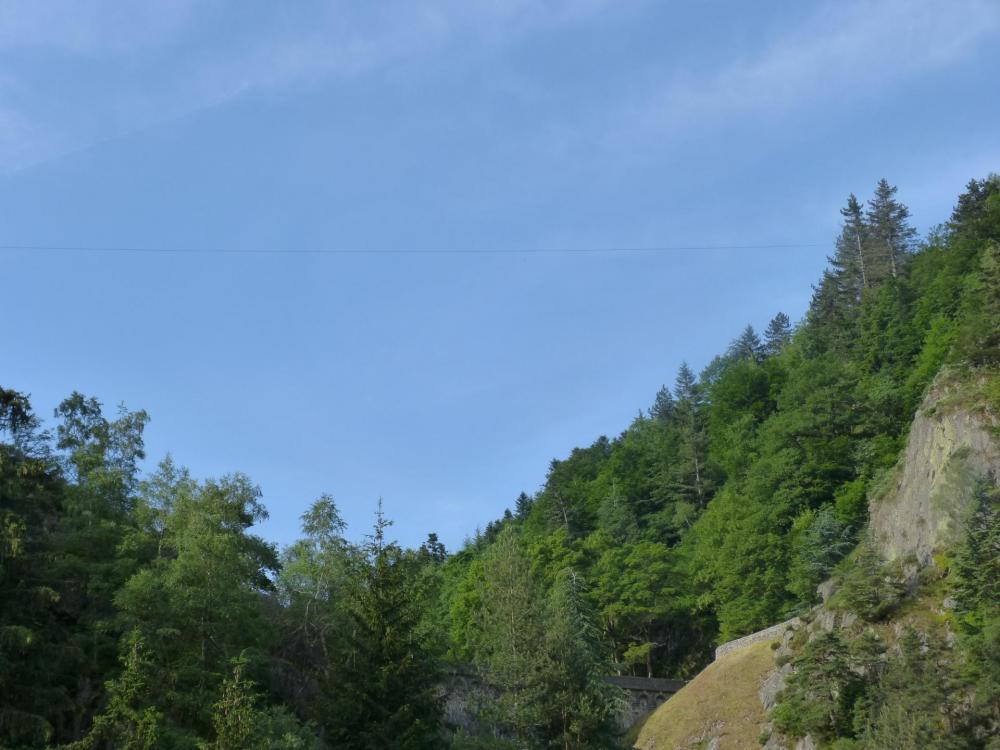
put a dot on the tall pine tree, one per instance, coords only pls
(777, 335)
(388, 697)
(890, 235)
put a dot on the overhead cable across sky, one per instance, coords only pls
(153, 250)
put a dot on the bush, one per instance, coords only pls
(820, 696)
(868, 587)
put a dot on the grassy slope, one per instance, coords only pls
(726, 692)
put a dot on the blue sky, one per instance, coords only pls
(443, 382)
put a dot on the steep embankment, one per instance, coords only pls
(922, 508)
(720, 705)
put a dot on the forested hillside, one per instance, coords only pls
(141, 611)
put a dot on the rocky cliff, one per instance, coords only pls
(921, 508)
(950, 447)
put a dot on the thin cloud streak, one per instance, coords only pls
(332, 41)
(841, 51)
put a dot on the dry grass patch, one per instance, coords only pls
(720, 702)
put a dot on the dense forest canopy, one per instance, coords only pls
(141, 611)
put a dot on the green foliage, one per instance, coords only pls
(976, 585)
(981, 334)
(867, 586)
(128, 722)
(819, 541)
(125, 599)
(915, 705)
(235, 713)
(390, 674)
(541, 657)
(579, 705)
(820, 696)
(510, 652)
(196, 601)
(242, 724)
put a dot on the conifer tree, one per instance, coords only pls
(890, 235)
(853, 244)
(916, 700)
(242, 721)
(129, 722)
(977, 208)
(522, 506)
(777, 335)
(852, 269)
(314, 581)
(235, 714)
(388, 696)
(581, 705)
(688, 480)
(32, 691)
(981, 337)
(977, 593)
(434, 549)
(663, 406)
(817, 700)
(747, 346)
(510, 654)
(685, 385)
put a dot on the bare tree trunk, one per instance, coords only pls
(861, 261)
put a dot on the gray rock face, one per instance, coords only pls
(773, 743)
(773, 684)
(948, 450)
(826, 589)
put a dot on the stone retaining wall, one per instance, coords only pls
(772, 633)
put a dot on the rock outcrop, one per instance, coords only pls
(923, 507)
(926, 505)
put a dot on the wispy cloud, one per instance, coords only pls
(139, 64)
(92, 27)
(843, 51)
(82, 72)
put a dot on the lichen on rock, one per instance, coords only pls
(931, 495)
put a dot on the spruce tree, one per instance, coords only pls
(687, 479)
(917, 703)
(433, 549)
(34, 689)
(981, 336)
(663, 406)
(972, 213)
(852, 268)
(129, 721)
(777, 335)
(817, 700)
(581, 707)
(510, 655)
(747, 346)
(890, 235)
(522, 506)
(235, 714)
(685, 385)
(388, 697)
(852, 246)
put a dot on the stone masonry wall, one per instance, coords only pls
(772, 633)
